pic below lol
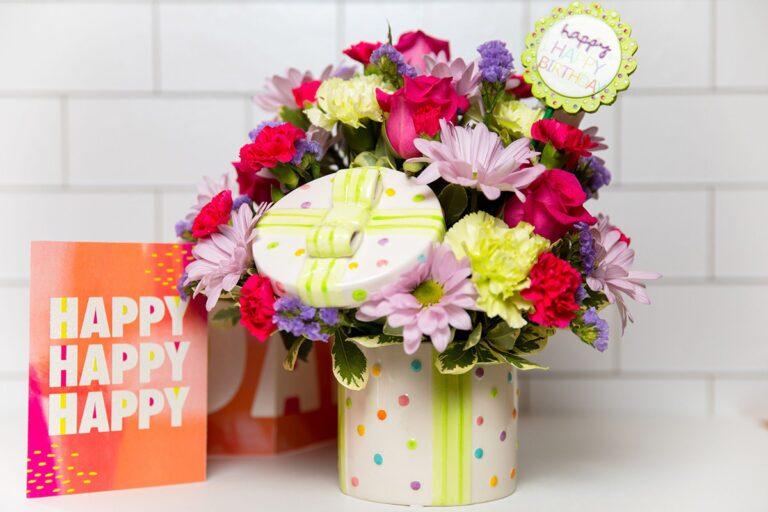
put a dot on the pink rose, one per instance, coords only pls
(416, 109)
(553, 203)
(361, 52)
(415, 45)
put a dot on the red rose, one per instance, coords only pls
(553, 291)
(563, 137)
(254, 186)
(415, 45)
(257, 301)
(361, 52)
(553, 203)
(273, 145)
(519, 87)
(213, 215)
(416, 109)
(306, 92)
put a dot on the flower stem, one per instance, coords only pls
(473, 201)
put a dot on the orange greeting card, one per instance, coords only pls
(117, 374)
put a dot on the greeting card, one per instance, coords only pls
(117, 376)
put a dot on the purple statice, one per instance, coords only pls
(581, 294)
(240, 201)
(180, 286)
(495, 61)
(255, 132)
(394, 56)
(600, 327)
(182, 227)
(587, 249)
(304, 146)
(295, 317)
(599, 177)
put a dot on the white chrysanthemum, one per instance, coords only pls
(347, 101)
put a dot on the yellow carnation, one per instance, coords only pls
(516, 116)
(348, 101)
(501, 259)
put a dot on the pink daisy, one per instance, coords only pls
(427, 300)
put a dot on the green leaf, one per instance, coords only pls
(521, 363)
(295, 116)
(276, 194)
(349, 364)
(551, 158)
(455, 360)
(285, 175)
(359, 139)
(532, 339)
(376, 341)
(227, 317)
(502, 335)
(454, 201)
(393, 331)
(289, 363)
(474, 336)
(365, 159)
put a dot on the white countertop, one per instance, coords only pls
(566, 464)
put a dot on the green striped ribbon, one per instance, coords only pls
(452, 437)
(335, 234)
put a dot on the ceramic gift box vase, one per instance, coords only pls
(414, 436)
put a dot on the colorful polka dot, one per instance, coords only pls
(494, 392)
(415, 485)
(390, 192)
(416, 365)
(272, 245)
(361, 430)
(382, 263)
(299, 252)
(411, 444)
(479, 420)
(307, 187)
(422, 258)
(353, 265)
(479, 453)
(418, 198)
(479, 372)
(378, 459)
(513, 473)
(383, 241)
(509, 376)
(403, 400)
(348, 402)
(359, 294)
(494, 481)
(381, 414)
(376, 369)
(354, 481)
(503, 436)
(514, 414)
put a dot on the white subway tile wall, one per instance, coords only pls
(110, 112)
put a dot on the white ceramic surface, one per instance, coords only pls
(416, 437)
(393, 238)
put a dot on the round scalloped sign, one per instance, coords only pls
(579, 57)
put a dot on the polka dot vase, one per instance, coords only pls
(416, 437)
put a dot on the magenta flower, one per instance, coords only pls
(611, 274)
(221, 259)
(476, 158)
(207, 190)
(427, 300)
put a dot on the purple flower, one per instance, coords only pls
(182, 227)
(599, 177)
(304, 146)
(255, 132)
(581, 294)
(299, 319)
(394, 56)
(495, 61)
(587, 249)
(600, 327)
(180, 286)
(241, 200)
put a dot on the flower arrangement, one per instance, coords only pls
(521, 255)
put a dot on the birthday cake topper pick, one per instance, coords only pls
(579, 57)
